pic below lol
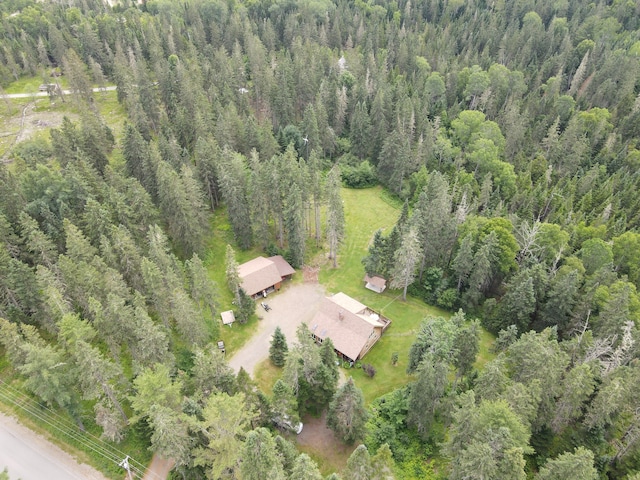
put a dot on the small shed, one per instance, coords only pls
(228, 317)
(375, 283)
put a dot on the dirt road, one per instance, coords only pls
(45, 94)
(289, 308)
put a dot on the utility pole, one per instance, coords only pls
(125, 464)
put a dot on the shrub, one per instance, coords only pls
(362, 176)
(369, 369)
(448, 298)
(394, 358)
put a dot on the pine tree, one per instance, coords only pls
(406, 261)
(294, 224)
(335, 214)
(359, 464)
(278, 350)
(347, 416)
(304, 468)
(260, 458)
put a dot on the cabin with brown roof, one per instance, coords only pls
(352, 326)
(261, 276)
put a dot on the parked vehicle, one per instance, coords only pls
(285, 423)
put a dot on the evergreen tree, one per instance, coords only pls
(232, 179)
(259, 457)
(435, 223)
(382, 464)
(211, 373)
(294, 225)
(246, 306)
(375, 261)
(305, 468)
(517, 306)
(359, 464)
(578, 465)
(360, 132)
(278, 349)
(486, 441)
(426, 394)
(139, 162)
(225, 422)
(182, 207)
(406, 261)
(335, 214)
(466, 347)
(347, 415)
(233, 278)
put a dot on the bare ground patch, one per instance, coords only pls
(310, 274)
(26, 121)
(320, 443)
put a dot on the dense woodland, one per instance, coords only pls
(509, 129)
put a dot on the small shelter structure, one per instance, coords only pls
(352, 326)
(228, 317)
(375, 283)
(261, 276)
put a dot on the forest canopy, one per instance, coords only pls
(508, 129)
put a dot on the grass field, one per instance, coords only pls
(222, 235)
(366, 211)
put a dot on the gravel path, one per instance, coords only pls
(290, 307)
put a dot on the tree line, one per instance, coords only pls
(509, 129)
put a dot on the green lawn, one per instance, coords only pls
(236, 336)
(366, 211)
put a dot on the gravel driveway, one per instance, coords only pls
(292, 306)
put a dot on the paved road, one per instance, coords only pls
(45, 94)
(289, 308)
(31, 457)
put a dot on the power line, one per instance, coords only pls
(61, 424)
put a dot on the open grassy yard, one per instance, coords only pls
(366, 211)
(221, 236)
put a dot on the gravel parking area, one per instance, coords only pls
(290, 307)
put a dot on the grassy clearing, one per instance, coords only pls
(366, 211)
(266, 374)
(236, 336)
(41, 115)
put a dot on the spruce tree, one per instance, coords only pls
(335, 214)
(347, 415)
(278, 350)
